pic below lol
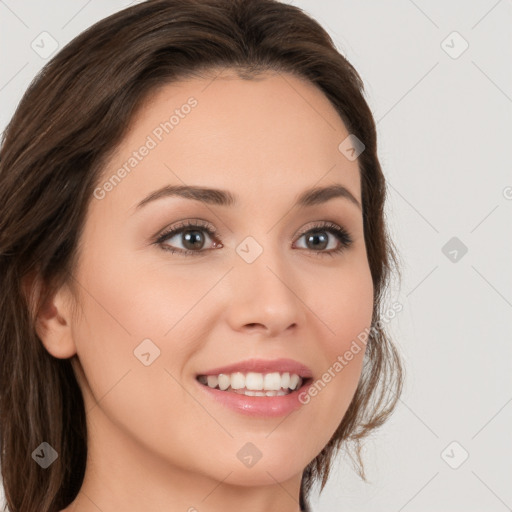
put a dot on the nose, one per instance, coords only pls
(265, 297)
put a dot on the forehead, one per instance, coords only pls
(273, 133)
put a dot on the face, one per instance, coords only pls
(264, 278)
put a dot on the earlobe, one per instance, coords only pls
(53, 323)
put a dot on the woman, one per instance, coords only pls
(193, 259)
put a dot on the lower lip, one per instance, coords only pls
(270, 406)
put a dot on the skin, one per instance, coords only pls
(156, 443)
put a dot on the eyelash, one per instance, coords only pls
(340, 233)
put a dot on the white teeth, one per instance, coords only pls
(224, 381)
(237, 380)
(272, 381)
(262, 393)
(294, 381)
(212, 381)
(253, 383)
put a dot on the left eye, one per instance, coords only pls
(319, 239)
(192, 237)
(316, 236)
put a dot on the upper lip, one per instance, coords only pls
(263, 366)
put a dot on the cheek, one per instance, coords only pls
(127, 299)
(352, 320)
(347, 308)
(125, 305)
(120, 311)
(347, 311)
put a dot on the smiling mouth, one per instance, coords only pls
(254, 383)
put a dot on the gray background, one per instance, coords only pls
(443, 123)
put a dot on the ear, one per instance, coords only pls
(53, 323)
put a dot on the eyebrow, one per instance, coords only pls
(310, 197)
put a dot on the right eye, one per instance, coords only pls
(192, 236)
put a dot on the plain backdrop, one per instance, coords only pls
(438, 77)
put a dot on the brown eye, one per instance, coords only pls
(317, 238)
(191, 236)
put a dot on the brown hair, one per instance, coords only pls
(71, 117)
